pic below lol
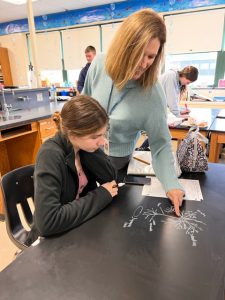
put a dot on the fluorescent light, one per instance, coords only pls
(17, 2)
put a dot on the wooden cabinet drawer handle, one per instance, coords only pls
(49, 128)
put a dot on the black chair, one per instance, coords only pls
(17, 187)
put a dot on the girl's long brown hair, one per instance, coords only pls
(82, 115)
(190, 73)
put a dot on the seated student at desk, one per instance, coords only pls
(68, 167)
(174, 84)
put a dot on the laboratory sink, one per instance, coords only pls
(9, 117)
(14, 109)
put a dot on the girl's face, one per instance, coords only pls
(90, 142)
(148, 58)
(184, 81)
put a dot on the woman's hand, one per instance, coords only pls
(111, 187)
(185, 111)
(176, 197)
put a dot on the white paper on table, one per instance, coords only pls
(192, 189)
(136, 167)
(221, 114)
(172, 120)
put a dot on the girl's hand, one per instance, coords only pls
(111, 187)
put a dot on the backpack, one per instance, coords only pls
(191, 155)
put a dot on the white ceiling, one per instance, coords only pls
(10, 12)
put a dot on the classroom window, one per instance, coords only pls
(75, 42)
(205, 62)
(73, 76)
(52, 77)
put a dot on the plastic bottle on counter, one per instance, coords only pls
(52, 93)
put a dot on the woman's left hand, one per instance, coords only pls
(176, 197)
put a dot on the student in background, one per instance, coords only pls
(90, 53)
(175, 84)
(68, 167)
(125, 83)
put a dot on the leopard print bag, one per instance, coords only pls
(191, 154)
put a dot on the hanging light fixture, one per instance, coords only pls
(18, 2)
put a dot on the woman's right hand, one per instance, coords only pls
(111, 187)
(185, 112)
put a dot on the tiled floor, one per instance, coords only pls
(7, 248)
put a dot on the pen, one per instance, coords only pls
(119, 184)
(141, 160)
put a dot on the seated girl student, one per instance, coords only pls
(68, 167)
(175, 84)
(125, 83)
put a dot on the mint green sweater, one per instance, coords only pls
(139, 110)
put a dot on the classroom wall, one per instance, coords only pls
(49, 51)
(180, 39)
(109, 13)
(74, 43)
(195, 31)
(18, 56)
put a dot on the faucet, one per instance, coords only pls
(3, 97)
(5, 106)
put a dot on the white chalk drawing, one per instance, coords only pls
(188, 221)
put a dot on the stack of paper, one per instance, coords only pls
(137, 167)
(221, 114)
(192, 189)
(200, 98)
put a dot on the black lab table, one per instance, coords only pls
(134, 249)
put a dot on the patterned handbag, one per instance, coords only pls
(191, 154)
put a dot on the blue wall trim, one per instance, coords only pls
(107, 12)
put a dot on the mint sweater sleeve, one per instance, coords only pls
(160, 142)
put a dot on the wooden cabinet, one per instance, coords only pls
(5, 71)
(19, 146)
(1, 205)
(47, 129)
